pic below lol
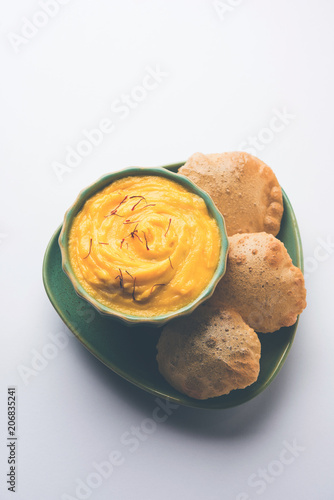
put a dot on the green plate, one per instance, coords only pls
(131, 351)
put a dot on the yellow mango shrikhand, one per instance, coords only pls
(144, 246)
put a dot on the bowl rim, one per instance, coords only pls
(99, 185)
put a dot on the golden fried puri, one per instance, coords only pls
(209, 353)
(261, 282)
(244, 189)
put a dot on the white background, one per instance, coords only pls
(226, 72)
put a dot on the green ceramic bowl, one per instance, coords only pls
(99, 186)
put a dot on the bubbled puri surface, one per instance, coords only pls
(261, 282)
(244, 189)
(209, 353)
